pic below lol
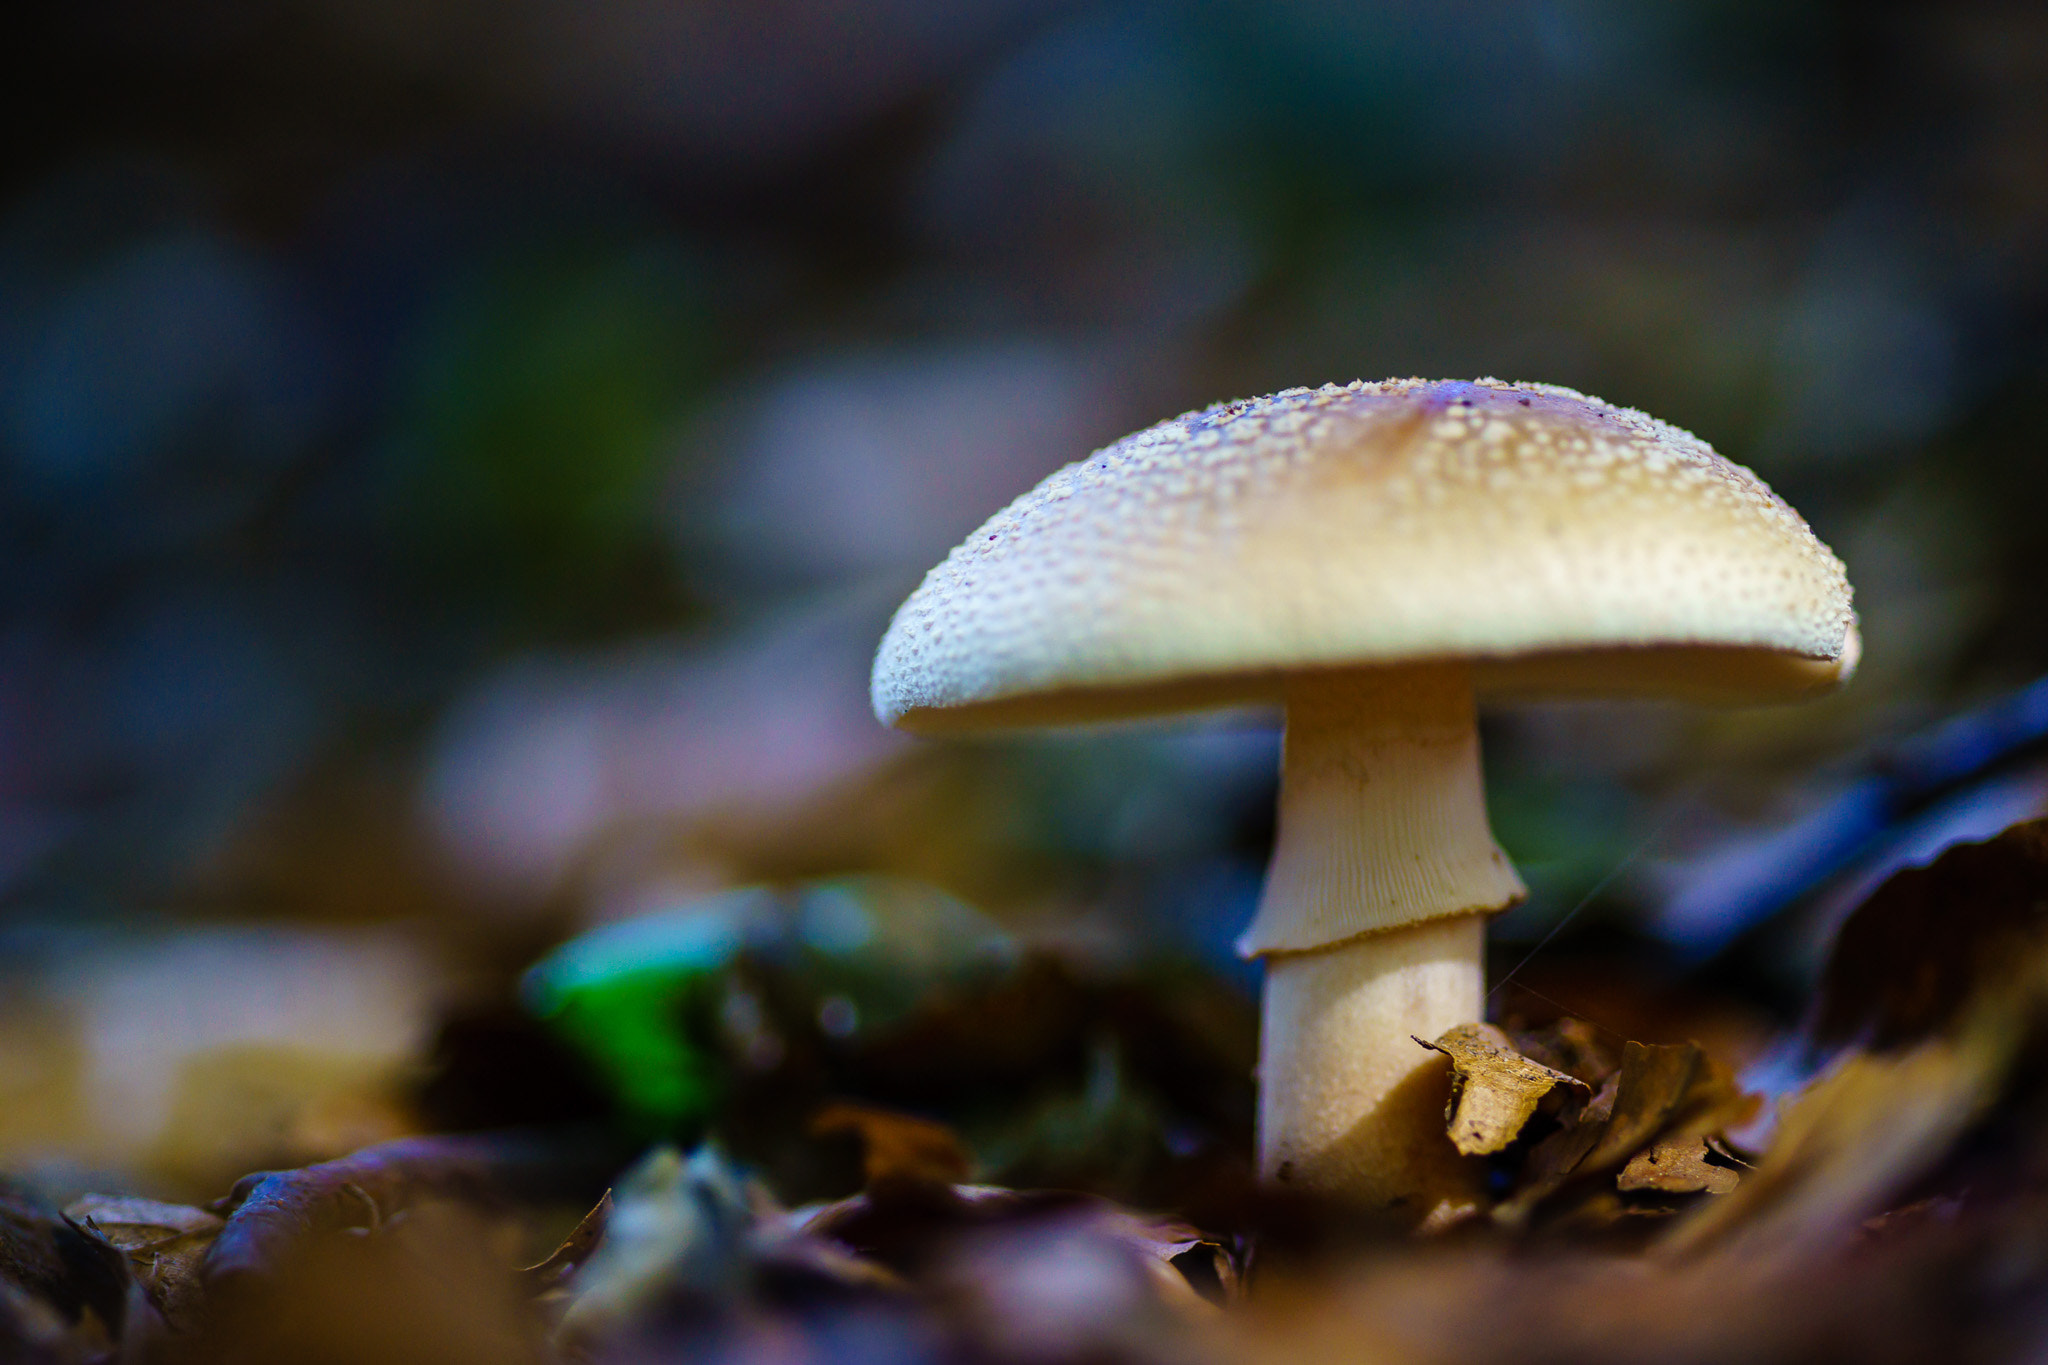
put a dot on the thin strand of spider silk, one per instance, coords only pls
(1574, 1012)
(1587, 899)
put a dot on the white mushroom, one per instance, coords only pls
(1371, 557)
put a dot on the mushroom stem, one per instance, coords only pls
(1373, 914)
(1349, 1106)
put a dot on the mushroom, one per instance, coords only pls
(1371, 558)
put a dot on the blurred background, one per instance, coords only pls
(456, 461)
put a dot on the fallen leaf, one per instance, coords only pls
(1728, 1152)
(1914, 958)
(1683, 1167)
(1849, 1142)
(166, 1246)
(1554, 1160)
(1495, 1090)
(1928, 998)
(1570, 1045)
(270, 1212)
(576, 1248)
(897, 1146)
(170, 1273)
(1183, 1261)
(1673, 1092)
(131, 1223)
(70, 1268)
(1714, 1103)
(1652, 1082)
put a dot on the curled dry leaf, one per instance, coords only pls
(130, 1223)
(1932, 996)
(270, 1213)
(1652, 1082)
(897, 1146)
(65, 1266)
(1553, 1161)
(576, 1248)
(1673, 1092)
(1568, 1044)
(1851, 1141)
(1632, 1105)
(1495, 1090)
(1714, 1104)
(1687, 1166)
(1189, 1269)
(1915, 959)
(165, 1244)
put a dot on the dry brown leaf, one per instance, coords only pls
(1557, 1158)
(68, 1267)
(1713, 1105)
(575, 1249)
(1933, 984)
(1654, 1079)
(1183, 1261)
(1681, 1167)
(1495, 1090)
(896, 1146)
(1674, 1092)
(169, 1272)
(1916, 957)
(130, 1223)
(1570, 1045)
(1851, 1140)
(165, 1245)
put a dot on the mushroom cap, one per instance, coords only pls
(1558, 544)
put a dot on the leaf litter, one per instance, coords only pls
(1894, 1206)
(1495, 1090)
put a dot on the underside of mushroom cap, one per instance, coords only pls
(1556, 543)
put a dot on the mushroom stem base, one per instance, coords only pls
(1349, 1105)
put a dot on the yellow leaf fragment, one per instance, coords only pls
(1680, 1167)
(1495, 1090)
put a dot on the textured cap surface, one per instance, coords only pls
(1557, 542)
